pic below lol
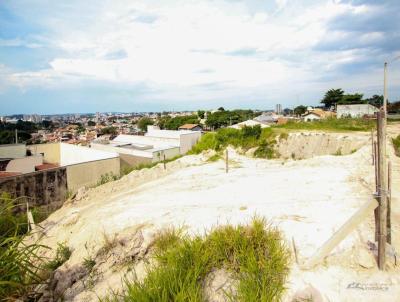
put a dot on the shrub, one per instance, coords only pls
(245, 138)
(254, 255)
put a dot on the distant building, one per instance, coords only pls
(278, 109)
(153, 147)
(14, 160)
(355, 110)
(191, 127)
(267, 118)
(317, 114)
(249, 123)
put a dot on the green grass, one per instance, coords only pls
(105, 178)
(331, 124)
(254, 255)
(245, 138)
(396, 145)
(19, 261)
(62, 255)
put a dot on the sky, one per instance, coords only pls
(153, 55)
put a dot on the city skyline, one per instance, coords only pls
(149, 56)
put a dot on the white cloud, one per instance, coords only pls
(166, 44)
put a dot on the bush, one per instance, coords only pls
(245, 138)
(254, 255)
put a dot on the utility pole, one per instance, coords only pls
(385, 89)
(383, 176)
(16, 136)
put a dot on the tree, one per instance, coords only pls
(332, 97)
(349, 99)
(200, 113)
(299, 110)
(225, 118)
(375, 100)
(144, 122)
(286, 111)
(221, 109)
(109, 130)
(174, 123)
(91, 123)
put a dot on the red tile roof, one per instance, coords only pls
(46, 166)
(4, 174)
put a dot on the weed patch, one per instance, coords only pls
(62, 255)
(254, 254)
(245, 138)
(331, 124)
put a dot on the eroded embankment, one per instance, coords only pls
(115, 224)
(302, 145)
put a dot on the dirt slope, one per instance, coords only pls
(308, 199)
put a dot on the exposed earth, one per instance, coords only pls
(307, 199)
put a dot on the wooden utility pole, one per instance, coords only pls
(389, 205)
(376, 211)
(372, 146)
(382, 189)
(165, 164)
(226, 161)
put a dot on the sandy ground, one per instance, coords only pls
(307, 199)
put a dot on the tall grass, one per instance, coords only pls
(245, 138)
(254, 255)
(19, 261)
(331, 124)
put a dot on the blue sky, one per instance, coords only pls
(150, 55)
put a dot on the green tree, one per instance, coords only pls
(200, 113)
(109, 130)
(299, 110)
(332, 97)
(91, 123)
(176, 122)
(352, 99)
(225, 118)
(144, 122)
(375, 100)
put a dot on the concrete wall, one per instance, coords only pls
(71, 154)
(47, 187)
(169, 153)
(24, 165)
(356, 110)
(51, 152)
(12, 151)
(89, 173)
(132, 157)
(149, 140)
(188, 140)
(127, 161)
